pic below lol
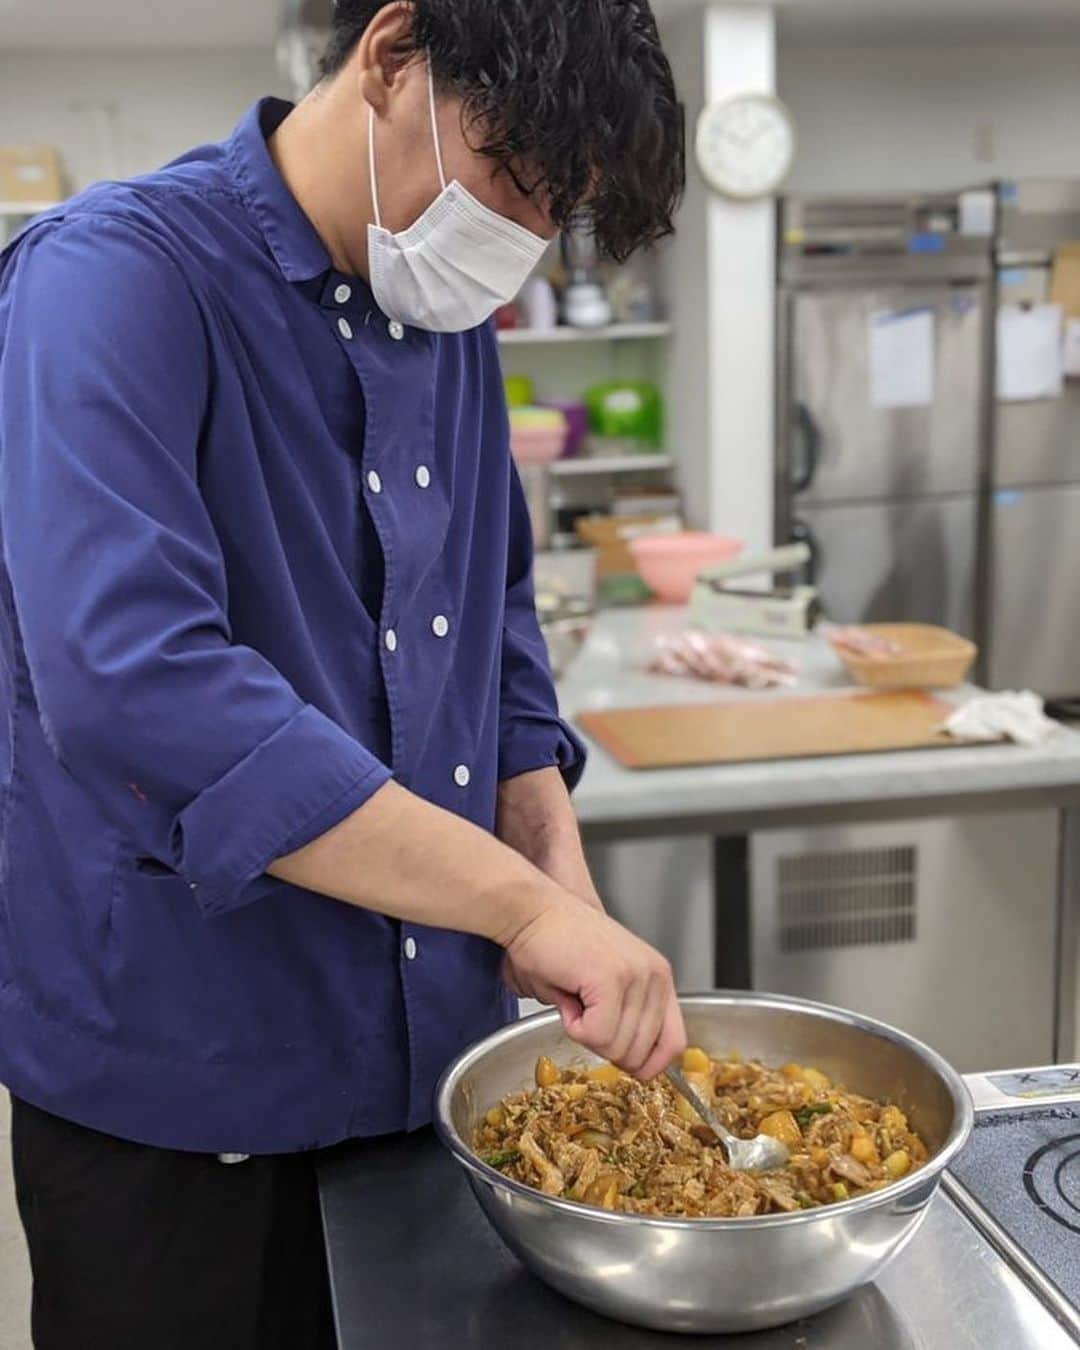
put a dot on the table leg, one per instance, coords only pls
(731, 872)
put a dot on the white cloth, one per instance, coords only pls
(1017, 717)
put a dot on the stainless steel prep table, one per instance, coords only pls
(415, 1264)
(730, 802)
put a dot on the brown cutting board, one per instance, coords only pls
(741, 732)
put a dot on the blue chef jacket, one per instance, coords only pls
(262, 551)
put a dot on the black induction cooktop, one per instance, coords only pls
(1023, 1168)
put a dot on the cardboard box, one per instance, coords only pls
(1065, 286)
(30, 173)
(609, 535)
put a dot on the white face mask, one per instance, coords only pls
(457, 265)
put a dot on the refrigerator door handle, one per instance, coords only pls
(809, 434)
(801, 533)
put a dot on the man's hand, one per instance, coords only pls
(616, 995)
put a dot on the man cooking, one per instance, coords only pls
(285, 815)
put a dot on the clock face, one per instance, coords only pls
(746, 145)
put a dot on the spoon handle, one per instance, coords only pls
(760, 1154)
(678, 1080)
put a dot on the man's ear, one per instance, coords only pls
(383, 53)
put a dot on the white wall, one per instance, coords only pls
(115, 114)
(687, 295)
(719, 279)
(887, 117)
(740, 54)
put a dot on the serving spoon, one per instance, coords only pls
(760, 1154)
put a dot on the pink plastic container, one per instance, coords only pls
(537, 445)
(670, 563)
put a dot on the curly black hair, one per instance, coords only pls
(576, 97)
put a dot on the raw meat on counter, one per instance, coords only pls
(860, 642)
(721, 658)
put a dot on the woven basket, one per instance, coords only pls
(930, 658)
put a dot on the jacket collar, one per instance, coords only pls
(290, 235)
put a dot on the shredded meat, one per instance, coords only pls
(675, 1135)
(551, 1179)
(601, 1138)
(780, 1190)
(846, 1167)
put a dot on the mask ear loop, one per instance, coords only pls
(371, 147)
(371, 166)
(435, 126)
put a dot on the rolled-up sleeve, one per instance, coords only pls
(532, 735)
(195, 746)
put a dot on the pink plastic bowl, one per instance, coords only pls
(537, 445)
(670, 563)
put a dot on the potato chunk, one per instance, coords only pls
(782, 1125)
(547, 1072)
(695, 1060)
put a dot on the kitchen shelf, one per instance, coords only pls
(25, 208)
(618, 332)
(599, 464)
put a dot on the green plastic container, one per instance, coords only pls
(520, 391)
(627, 410)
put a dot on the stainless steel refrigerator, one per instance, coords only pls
(1033, 637)
(887, 496)
(909, 921)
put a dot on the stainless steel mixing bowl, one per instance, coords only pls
(716, 1275)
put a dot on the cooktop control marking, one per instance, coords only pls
(1058, 1082)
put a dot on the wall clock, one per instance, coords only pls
(746, 145)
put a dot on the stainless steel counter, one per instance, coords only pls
(414, 1263)
(613, 802)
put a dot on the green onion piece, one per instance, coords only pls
(502, 1159)
(805, 1114)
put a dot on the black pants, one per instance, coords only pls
(136, 1248)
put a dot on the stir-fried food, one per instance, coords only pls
(602, 1138)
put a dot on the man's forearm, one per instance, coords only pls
(536, 818)
(403, 857)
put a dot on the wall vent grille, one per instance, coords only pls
(855, 898)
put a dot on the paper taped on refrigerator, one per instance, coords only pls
(902, 358)
(1031, 352)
